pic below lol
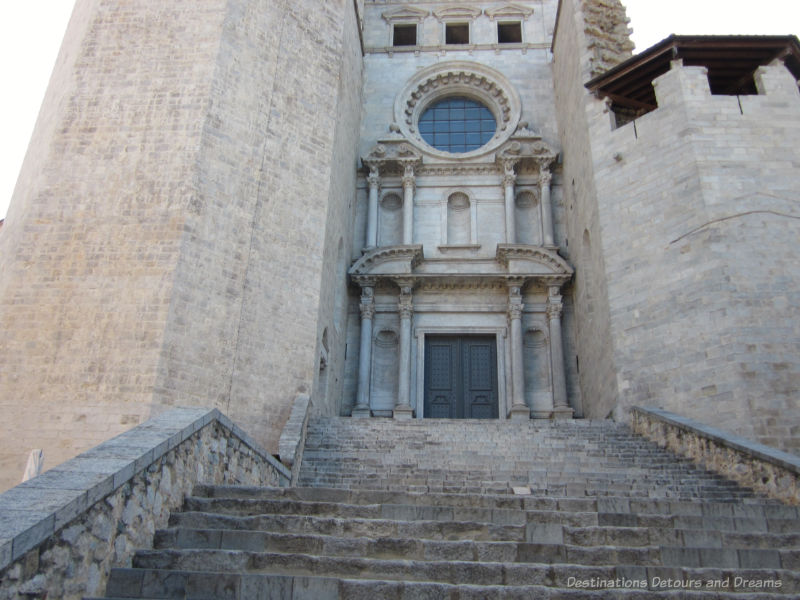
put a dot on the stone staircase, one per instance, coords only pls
(427, 509)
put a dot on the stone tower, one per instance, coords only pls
(178, 231)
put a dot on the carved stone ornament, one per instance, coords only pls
(386, 260)
(535, 260)
(457, 13)
(554, 310)
(397, 153)
(405, 14)
(508, 11)
(367, 309)
(458, 78)
(515, 307)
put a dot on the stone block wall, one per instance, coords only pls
(170, 228)
(63, 531)
(699, 229)
(771, 472)
(574, 59)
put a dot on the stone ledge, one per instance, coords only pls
(33, 512)
(293, 436)
(762, 468)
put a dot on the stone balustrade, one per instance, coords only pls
(63, 531)
(772, 472)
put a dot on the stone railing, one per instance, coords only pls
(293, 436)
(62, 532)
(756, 466)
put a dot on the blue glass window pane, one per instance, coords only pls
(457, 125)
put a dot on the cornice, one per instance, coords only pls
(534, 254)
(405, 257)
(405, 13)
(508, 11)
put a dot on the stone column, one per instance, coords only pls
(509, 178)
(561, 409)
(374, 181)
(405, 306)
(409, 183)
(545, 177)
(519, 410)
(361, 409)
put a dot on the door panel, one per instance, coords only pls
(460, 377)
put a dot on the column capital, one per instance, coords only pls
(509, 175)
(545, 177)
(367, 309)
(515, 304)
(374, 179)
(405, 300)
(409, 179)
(555, 306)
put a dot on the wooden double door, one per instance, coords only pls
(460, 377)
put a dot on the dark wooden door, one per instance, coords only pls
(460, 377)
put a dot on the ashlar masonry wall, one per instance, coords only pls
(586, 40)
(699, 219)
(166, 240)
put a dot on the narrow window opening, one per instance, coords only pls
(456, 33)
(509, 33)
(404, 35)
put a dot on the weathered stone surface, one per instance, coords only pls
(64, 545)
(771, 472)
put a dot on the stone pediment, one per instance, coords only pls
(393, 150)
(457, 12)
(405, 13)
(523, 260)
(387, 260)
(509, 11)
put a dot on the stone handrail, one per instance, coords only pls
(63, 531)
(293, 436)
(764, 469)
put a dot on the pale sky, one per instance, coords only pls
(31, 32)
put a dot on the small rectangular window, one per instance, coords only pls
(456, 33)
(509, 33)
(404, 35)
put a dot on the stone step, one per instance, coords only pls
(752, 507)
(132, 583)
(441, 530)
(617, 552)
(450, 571)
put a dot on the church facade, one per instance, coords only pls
(442, 209)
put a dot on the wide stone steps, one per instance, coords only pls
(396, 520)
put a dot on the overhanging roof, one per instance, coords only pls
(731, 61)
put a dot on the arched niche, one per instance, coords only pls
(459, 221)
(528, 218)
(390, 220)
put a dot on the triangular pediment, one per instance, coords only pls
(405, 13)
(457, 12)
(509, 11)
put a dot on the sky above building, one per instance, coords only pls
(31, 33)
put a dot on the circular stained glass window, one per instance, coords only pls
(457, 125)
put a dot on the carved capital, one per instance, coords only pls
(545, 177)
(374, 178)
(554, 311)
(515, 304)
(409, 180)
(367, 308)
(555, 306)
(405, 306)
(515, 310)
